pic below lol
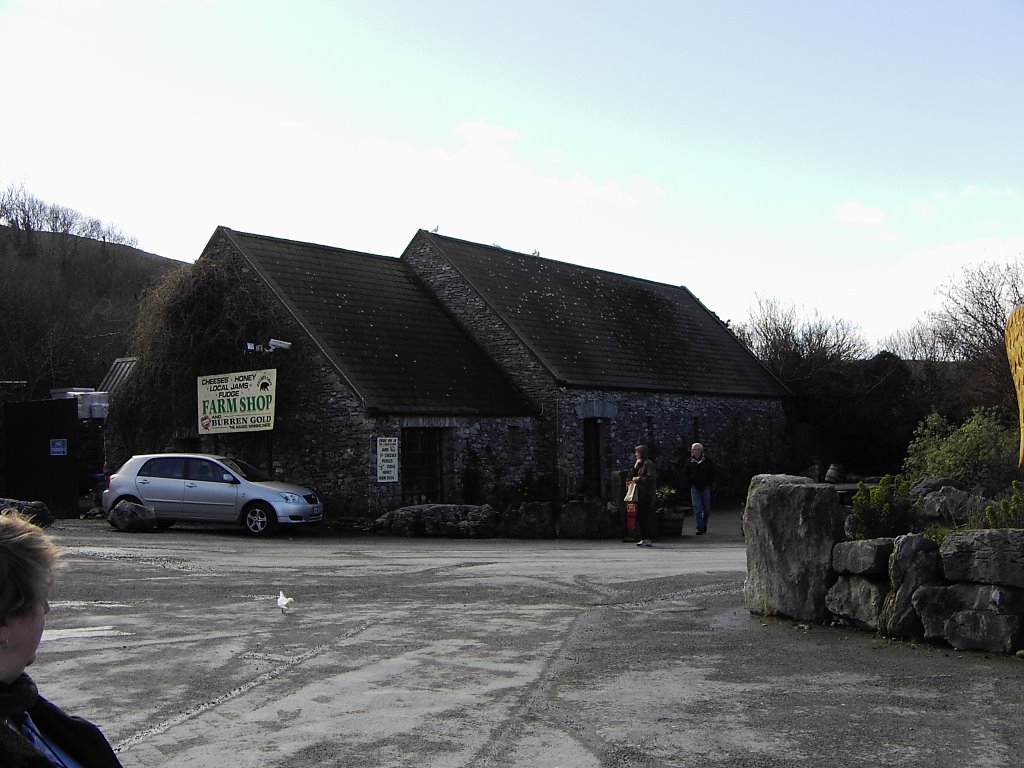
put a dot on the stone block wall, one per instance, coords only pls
(488, 460)
(743, 436)
(968, 592)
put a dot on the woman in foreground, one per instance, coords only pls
(34, 732)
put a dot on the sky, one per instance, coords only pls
(844, 159)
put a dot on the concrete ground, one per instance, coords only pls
(451, 653)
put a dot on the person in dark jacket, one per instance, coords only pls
(700, 476)
(34, 733)
(645, 475)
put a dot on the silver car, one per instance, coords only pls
(201, 488)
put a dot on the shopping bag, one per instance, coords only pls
(630, 492)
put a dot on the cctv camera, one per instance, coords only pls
(278, 344)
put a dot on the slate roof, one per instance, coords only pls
(388, 337)
(597, 329)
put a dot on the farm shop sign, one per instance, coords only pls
(237, 402)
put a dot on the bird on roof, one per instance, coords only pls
(284, 602)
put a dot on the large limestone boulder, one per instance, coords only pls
(857, 599)
(994, 556)
(982, 617)
(914, 563)
(36, 511)
(460, 521)
(132, 518)
(790, 525)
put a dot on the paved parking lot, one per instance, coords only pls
(447, 653)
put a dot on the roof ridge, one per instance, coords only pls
(549, 260)
(306, 244)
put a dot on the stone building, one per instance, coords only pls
(501, 376)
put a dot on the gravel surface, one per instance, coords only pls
(442, 653)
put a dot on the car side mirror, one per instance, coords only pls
(227, 477)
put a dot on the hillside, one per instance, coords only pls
(69, 305)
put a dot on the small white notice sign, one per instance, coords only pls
(387, 459)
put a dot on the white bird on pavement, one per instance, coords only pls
(283, 602)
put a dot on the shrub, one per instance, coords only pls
(982, 453)
(666, 495)
(1007, 512)
(883, 510)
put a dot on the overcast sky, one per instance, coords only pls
(849, 158)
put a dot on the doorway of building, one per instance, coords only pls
(422, 465)
(593, 458)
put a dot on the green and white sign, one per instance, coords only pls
(237, 402)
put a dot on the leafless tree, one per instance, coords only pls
(23, 211)
(799, 348)
(971, 324)
(972, 321)
(919, 342)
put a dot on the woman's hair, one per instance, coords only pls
(27, 559)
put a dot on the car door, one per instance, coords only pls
(160, 484)
(210, 492)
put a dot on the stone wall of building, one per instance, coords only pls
(485, 460)
(744, 436)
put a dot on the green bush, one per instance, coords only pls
(982, 453)
(666, 495)
(883, 510)
(1007, 512)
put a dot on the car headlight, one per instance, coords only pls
(291, 498)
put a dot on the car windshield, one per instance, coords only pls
(247, 471)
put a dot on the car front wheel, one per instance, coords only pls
(260, 520)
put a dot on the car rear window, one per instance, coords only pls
(165, 466)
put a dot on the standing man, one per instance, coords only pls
(645, 475)
(700, 475)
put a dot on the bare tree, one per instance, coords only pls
(919, 342)
(972, 321)
(970, 327)
(23, 211)
(799, 349)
